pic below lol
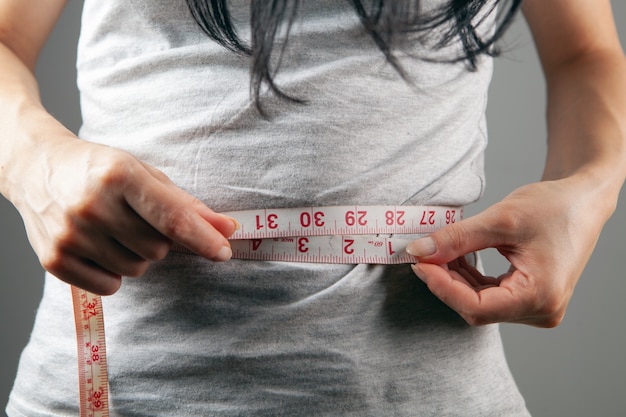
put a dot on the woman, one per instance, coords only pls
(193, 337)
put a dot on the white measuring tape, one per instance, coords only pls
(93, 381)
(335, 234)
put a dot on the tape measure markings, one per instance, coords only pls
(328, 234)
(342, 220)
(91, 348)
(334, 234)
(346, 249)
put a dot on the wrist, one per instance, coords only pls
(596, 187)
(29, 134)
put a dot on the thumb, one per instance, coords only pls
(458, 239)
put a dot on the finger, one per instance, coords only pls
(113, 236)
(510, 301)
(461, 271)
(98, 248)
(487, 229)
(186, 227)
(112, 256)
(138, 236)
(182, 218)
(473, 275)
(86, 275)
(224, 224)
(467, 277)
(114, 223)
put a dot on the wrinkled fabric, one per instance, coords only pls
(248, 338)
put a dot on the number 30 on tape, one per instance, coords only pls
(342, 220)
(337, 234)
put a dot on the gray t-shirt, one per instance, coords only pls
(248, 338)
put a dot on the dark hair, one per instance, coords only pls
(388, 22)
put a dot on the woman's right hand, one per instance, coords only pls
(95, 213)
(92, 213)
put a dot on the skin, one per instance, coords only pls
(94, 213)
(547, 230)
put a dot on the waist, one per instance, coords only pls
(334, 234)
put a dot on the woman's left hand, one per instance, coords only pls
(546, 230)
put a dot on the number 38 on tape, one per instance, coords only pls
(339, 234)
(92, 365)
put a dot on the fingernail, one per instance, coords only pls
(224, 254)
(422, 247)
(233, 221)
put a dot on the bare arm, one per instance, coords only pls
(21, 40)
(92, 213)
(585, 72)
(24, 28)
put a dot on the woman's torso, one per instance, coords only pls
(262, 338)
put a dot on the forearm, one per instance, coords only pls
(27, 128)
(587, 124)
(546, 230)
(585, 70)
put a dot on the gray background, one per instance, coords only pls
(577, 369)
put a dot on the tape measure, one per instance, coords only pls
(334, 234)
(93, 381)
(328, 234)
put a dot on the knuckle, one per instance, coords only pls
(54, 252)
(456, 236)
(550, 307)
(511, 220)
(58, 246)
(102, 180)
(162, 252)
(100, 283)
(53, 261)
(87, 205)
(159, 251)
(178, 222)
(137, 269)
(158, 174)
(475, 320)
(88, 208)
(66, 237)
(115, 173)
(58, 263)
(107, 289)
(552, 312)
(553, 321)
